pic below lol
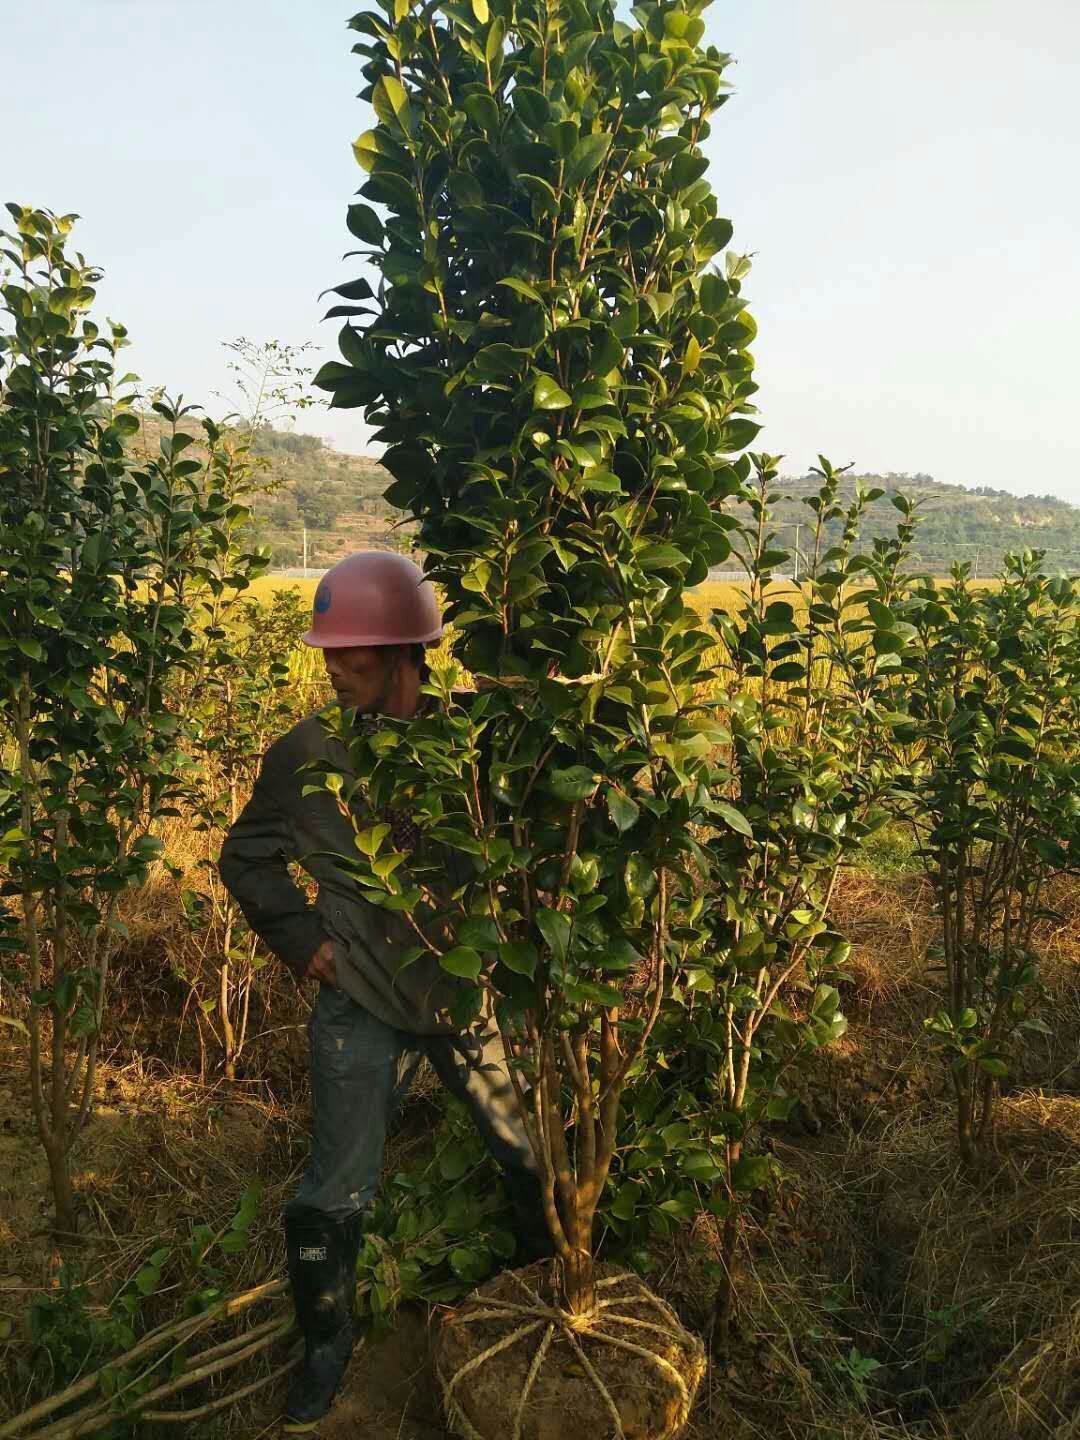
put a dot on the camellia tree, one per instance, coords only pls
(806, 682)
(95, 555)
(986, 722)
(560, 375)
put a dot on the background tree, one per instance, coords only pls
(112, 575)
(93, 558)
(985, 716)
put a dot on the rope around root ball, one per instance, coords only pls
(553, 1320)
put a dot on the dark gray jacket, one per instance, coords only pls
(278, 825)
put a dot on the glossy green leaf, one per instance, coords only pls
(555, 928)
(463, 961)
(365, 224)
(587, 155)
(519, 956)
(548, 395)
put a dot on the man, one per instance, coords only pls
(373, 615)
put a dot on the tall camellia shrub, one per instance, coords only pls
(96, 552)
(986, 722)
(559, 372)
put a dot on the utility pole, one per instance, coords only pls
(305, 552)
(798, 527)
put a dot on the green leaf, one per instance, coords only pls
(661, 557)
(576, 782)
(366, 150)
(586, 156)
(735, 818)
(714, 235)
(147, 1279)
(530, 106)
(463, 960)
(549, 396)
(391, 102)
(454, 1161)
(623, 811)
(750, 1173)
(480, 931)
(600, 480)
(595, 992)
(364, 224)
(472, 1263)
(519, 956)
(513, 283)
(789, 672)
(369, 840)
(481, 11)
(499, 360)
(993, 1065)
(639, 877)
(483, 112)
(737, 434)
(555, 928)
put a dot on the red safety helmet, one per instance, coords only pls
(374, 597)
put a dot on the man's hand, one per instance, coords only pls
(321, 965)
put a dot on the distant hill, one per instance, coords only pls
(339, 498)
(979, 526)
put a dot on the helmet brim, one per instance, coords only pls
(319, 641)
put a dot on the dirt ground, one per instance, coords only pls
(882, 1294)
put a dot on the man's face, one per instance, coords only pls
(363, 675)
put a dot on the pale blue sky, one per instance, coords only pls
(905, 171)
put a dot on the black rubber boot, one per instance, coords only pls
(322, 1272)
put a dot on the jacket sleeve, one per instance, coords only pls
(254, 867)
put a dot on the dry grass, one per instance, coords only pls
(965, 1294)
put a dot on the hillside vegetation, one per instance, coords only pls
(979, 525)
(339, 498)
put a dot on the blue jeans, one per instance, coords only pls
(361, 1070)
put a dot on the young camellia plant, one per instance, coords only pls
(804, 687)
(988, 724)
(94, 624)
(561, 379)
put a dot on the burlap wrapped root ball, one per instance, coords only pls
(512, 1365)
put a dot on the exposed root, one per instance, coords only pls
(577, 1330)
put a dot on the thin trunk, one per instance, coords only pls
(228, 1040)
(969, 1151)
(228, 1034)
(45, 1108)
(985, 1134)
(59, 1158)
(724, 1303)
(724, 1300)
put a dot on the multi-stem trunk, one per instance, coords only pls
(572, 1186)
